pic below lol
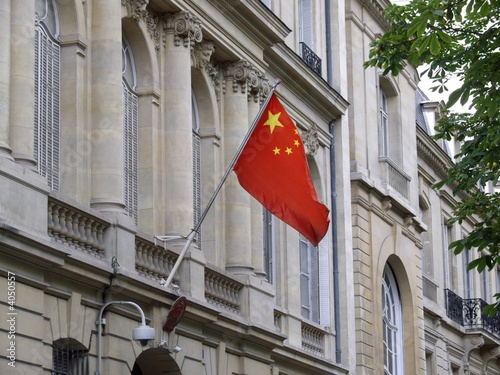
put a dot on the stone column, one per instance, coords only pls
(106, 107)
(181, 31)
(22, 82)
(5, 150)
(259, 88)
(237, 200)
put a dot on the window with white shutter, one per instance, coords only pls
(130, 132)
(305, 23)
(47, 92)
(315, 281)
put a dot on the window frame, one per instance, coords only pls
(392, 325)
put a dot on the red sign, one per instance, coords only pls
(175, 314)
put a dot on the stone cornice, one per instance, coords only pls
(376, 9)
(255, 17)
(297, 77)
(432, 154)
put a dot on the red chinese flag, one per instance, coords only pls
(273, 169)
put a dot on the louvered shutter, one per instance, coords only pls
(314, 264)
(197, 209)
(197, 183)
(130, 135)
(47, 103)
(305, 279)
(269, 241)
(324, 283)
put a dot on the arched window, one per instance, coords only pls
(47, 91)
(130, 131)
(392, 324)
(69, 357)
(390, 126)
(196, 167)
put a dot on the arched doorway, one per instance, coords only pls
(156, 361)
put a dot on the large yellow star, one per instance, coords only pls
(273, 121)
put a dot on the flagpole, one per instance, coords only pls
(190, 237)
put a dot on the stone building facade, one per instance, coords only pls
(119, 119)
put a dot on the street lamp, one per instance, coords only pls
(143, 333)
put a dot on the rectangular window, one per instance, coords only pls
(447, 255)
(384, 125)
(485, 285)
(315, 281)
(468, 276)
(429, 363)
(305, 23)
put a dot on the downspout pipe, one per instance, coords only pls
(335, 248)
(328, 27)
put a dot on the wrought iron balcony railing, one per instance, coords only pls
(310, 58)
(469, 313)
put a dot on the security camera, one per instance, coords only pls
(143, 334)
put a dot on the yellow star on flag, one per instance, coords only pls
(276, 151)
(273, 121)
(288, 150)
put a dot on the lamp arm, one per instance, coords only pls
(99, 328)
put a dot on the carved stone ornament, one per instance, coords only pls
(185, 26)
(201, 54)
(136, 9)
(238, 72)
(311, 140)
(259, 86)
